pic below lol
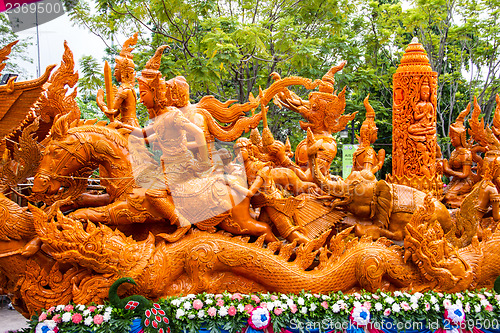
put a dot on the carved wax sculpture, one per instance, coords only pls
(414, 140)
(122, 103)
(365, 157)
(191, 224)
(324, 114)
(459, 167)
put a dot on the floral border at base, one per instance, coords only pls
(370, 312)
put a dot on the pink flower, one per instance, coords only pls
(98, 319)
(488, 308)
(481, 296)
(375, 296)
(212, 312)
(440, 295)
(220, 302)
(42, 317)
(248, 308)
(218, 296)
(324, 304)
(387, 312)
(52, 308)
(405, 306)
(293, 308)
(255, 299)
(357, 295)
(278, 311)
(446, 303)
(237, 296)
(57, 318)
(274, 297)
(68, 308)
(264, 305)
(316, 295)
(197, 304)
(92, 308)
(427, 306)
(367, 305)
(343, 306)
(231, 311)
(76, 318)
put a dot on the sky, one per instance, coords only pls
(51, 39)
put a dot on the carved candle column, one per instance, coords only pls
(414, 141)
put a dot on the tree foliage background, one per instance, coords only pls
(229, 48)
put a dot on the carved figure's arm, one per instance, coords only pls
(199, 138)
(380, 158)
(462, 174)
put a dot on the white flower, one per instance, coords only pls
(80, 307)
(66, 317)
(176, 302)
(433, 299)
(284, 296)
(397, 293)
(418, 295)
(201, 314)
(300, 301)
(209, 301)
(436, 307)
(413, 299)
(270, 306)
(484, 302)
(284, 307)
(109, 309)
(361, 316)
(241, 307)
(335, 308)
(477, 308)
(446, 303)
(378, 306)
(107, 316)
(289, 302)
(88, 321)
(60, 307)
(356, 304)
(223, 311)
(325, 297)
(191, 316)
(313, 307)
(414, 306)
(389, 300)
(368, 297)
(309, 295)
(303, 310)
(191, 296)
(396, 308)
(179, 313)
(187, 305)
(467, 308)
(488, 294)
(86, 313)
(100, 306)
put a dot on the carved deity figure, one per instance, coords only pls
(365, 157)
(324, 114)
(424, 125)
(459, 165)
(123, 102)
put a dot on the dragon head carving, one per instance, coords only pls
(96, 247)
(437, 259)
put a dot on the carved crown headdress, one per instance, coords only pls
(368, 125)
(124, 60)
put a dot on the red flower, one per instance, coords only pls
(76, 318)
(98, 319)
(231, 311)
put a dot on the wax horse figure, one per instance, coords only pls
(364, 157)
(324, 114)
(460, 164)
(122, 104)
(376, 202)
